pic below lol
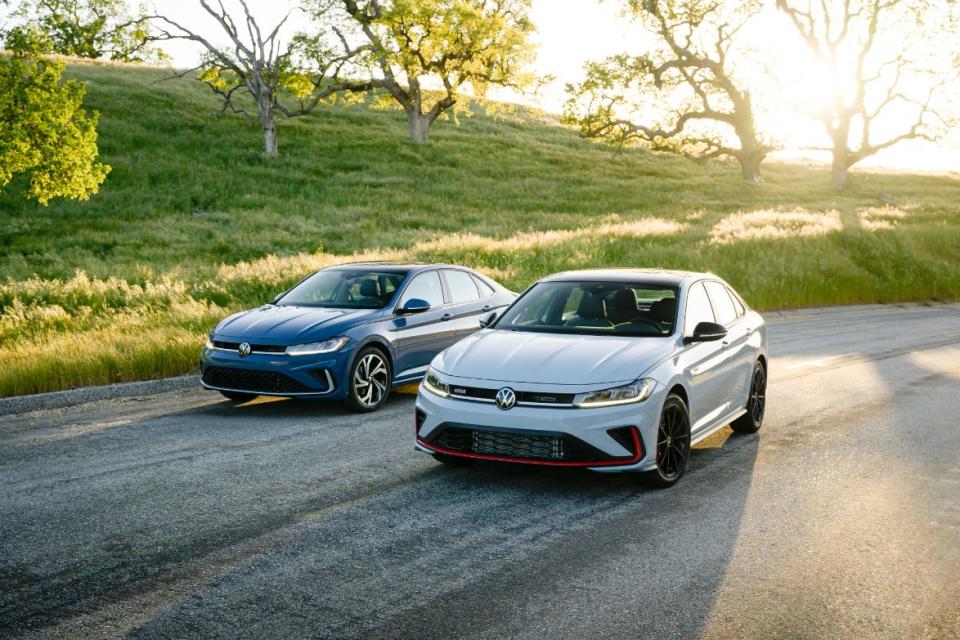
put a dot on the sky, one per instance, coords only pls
(573, 32)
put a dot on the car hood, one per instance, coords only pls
(545, 358)
(290, 324)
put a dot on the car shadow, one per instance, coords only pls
(565, 532)
(267, 406)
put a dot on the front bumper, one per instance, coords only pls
(277, 374)
(436, 416)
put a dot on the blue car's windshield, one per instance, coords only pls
(345, 289)
(594, 308)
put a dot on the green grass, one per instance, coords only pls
(194, 223)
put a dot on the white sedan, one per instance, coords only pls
(611, 370)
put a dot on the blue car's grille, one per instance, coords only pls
(261, 348)
(256, 381)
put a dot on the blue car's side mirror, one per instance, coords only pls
(414, 305)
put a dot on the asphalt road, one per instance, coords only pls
(179, 515)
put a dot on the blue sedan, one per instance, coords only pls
(349, 332)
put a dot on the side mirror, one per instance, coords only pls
(488, 319)
(707, 332)
(414, 305)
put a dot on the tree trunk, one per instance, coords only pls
(750, 164)
(269, 126)
(419, 126)
(752, 151)
(838, 170)
(841, 155)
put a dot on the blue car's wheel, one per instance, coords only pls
(370, 379)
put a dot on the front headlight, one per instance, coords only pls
(636, 391)
(209, 345)
(432, 384)
(317, 348)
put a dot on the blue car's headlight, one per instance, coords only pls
(317, 348)
(209, 344)
(636, 391)
(433, 384)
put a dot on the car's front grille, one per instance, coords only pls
(259, 348)
(533, 397)
(546, 447)
(253, 380)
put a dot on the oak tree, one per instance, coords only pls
(685, 95)
(425, 53)
(872, 84)
(45, 132)
(83, 28)
(288, 78)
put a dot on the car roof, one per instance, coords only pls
(667, 277)
(397, 267)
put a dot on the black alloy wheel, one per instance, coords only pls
(752, 420)
(673, 443)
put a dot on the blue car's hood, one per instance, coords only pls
(285, 325)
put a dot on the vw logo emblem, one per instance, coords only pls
(506, 398)
(244, 349)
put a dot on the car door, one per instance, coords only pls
(703, 363)
(735, 344)
(465, 308)
(741, 353)
(418, 337)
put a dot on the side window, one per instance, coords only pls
(736, 303)
(425, 286)
(722, 304)
(698, 309)
(485, 290)
(461, 286)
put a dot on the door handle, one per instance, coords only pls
(446, 316)
(724, 343)
(486, 308)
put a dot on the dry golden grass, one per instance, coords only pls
(771, 224)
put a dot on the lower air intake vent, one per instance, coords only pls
(518, 445)
(251, 380)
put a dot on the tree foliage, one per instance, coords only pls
(684, 95)
(45, 132)
(258, 65)
(83, 28)
(870, 82)
(425, 53)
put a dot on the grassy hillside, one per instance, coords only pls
(194, 223)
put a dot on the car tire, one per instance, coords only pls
(369, 379)
(237, 396)
(752, 420)
(673, 444)
(453, 461)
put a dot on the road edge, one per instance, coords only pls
(70, 397)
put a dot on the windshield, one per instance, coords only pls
(594, 308)
(346, 289)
